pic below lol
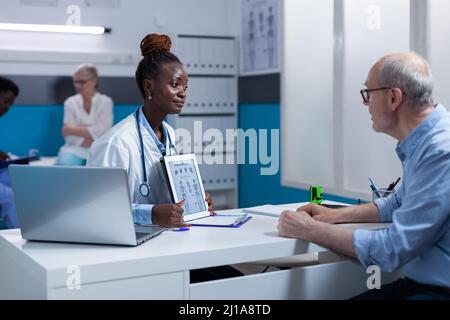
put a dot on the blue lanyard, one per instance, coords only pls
(141, 142)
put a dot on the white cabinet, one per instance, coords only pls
(165, 286)
(334, 280)
(210, 109)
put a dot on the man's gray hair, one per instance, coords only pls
(88, 70)
(410, 73)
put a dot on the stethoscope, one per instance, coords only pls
(144, 188)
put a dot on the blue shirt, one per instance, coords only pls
(419, 237)
(8, 214)
(160, 144)
(142, 212)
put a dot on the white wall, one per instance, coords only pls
(329, 47)
(307, 94)
(341, 155)
(130, 22)
(364, 152)
(438, 48)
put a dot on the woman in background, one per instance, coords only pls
(87, 116)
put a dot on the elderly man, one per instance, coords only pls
(399, 98)
(8, 218)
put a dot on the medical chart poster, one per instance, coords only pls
(260, 37)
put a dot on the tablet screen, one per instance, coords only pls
(187, 185)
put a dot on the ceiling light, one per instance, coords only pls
(53, 28)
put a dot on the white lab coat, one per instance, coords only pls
(120, 147)
(97, 121)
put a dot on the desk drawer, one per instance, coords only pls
(164, 286)
(338, 280)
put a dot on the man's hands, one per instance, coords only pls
(363, 213)
(295, 224)
(169, 215)
(319, 213)
(314, 223)
(299, 224)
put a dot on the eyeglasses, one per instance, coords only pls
(365, 93)
(81, 82)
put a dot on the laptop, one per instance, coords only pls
(76, 204)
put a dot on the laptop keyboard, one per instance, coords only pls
(144, 233)
(147, 229)
(140, 235)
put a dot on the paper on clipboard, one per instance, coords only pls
(222, 220)
(268, 210)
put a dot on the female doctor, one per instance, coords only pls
(138, 142)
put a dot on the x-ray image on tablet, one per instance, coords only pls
(185, 182)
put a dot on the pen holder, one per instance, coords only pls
(381, 193)
(316, 194)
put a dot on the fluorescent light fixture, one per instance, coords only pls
(53, 28)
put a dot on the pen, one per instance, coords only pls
(391, 187)
(180, 229)
(393, 184)
(374, 188)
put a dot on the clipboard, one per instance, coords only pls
(24, 160)
(222, 221)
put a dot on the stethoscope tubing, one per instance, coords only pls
(144, 188)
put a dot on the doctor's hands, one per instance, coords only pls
(211, 203)
(169, 215)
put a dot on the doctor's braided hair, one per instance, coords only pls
(155, 49)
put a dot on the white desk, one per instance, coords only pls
(159, 269)
(44, 161)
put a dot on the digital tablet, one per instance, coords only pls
(185, 182)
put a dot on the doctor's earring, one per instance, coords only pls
(149, 96)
